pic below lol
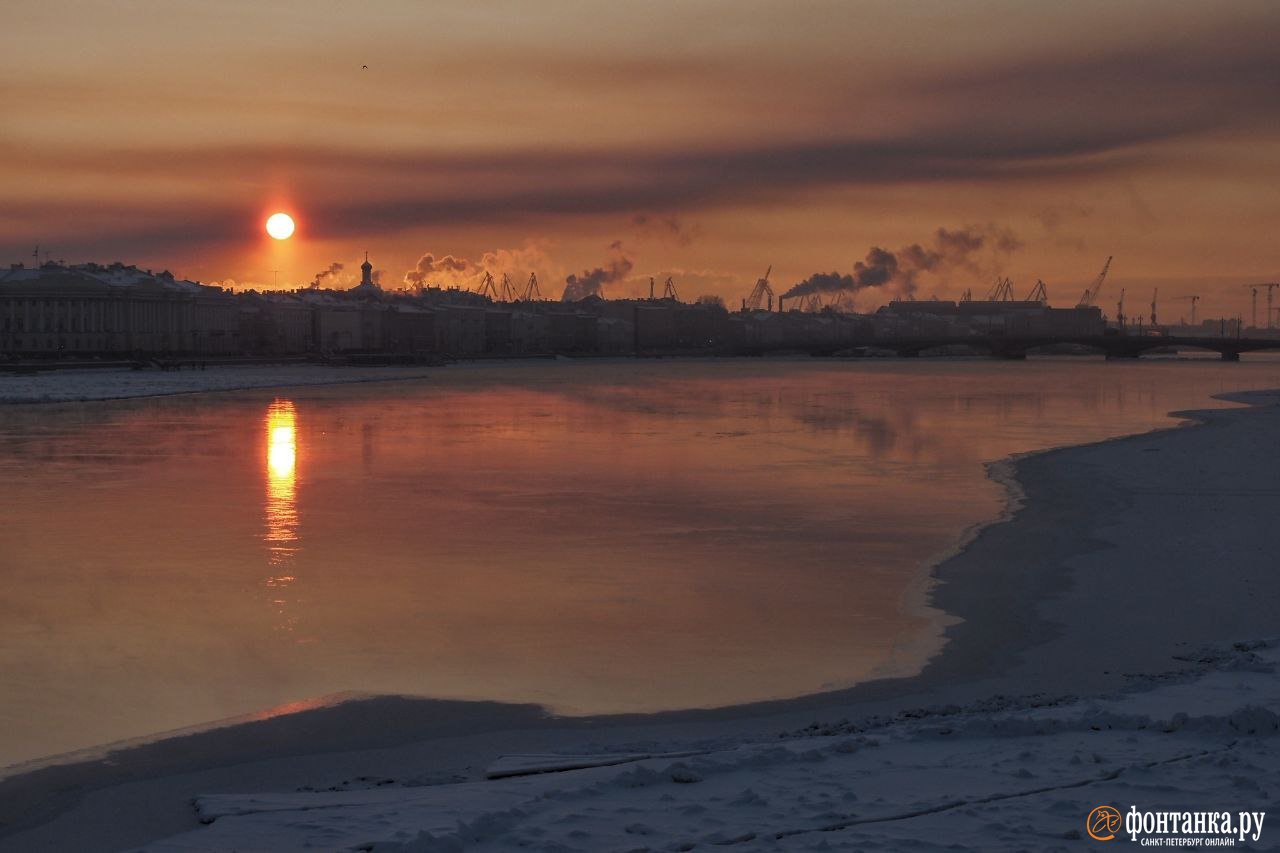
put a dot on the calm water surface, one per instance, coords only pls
(592, 536)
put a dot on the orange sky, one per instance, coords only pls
(713, 139)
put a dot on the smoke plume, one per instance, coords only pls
(592, 282)
(454, 271)
(333, 270)
(959, 250)
(670, 228)
(433, 270)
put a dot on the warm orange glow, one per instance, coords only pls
(280, 226)
(281, 508)
(282, 458)
(282, 453)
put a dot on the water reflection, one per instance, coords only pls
(281, 508)
(598, 536)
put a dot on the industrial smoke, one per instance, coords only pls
(898, 272)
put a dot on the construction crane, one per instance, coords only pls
(1038, 293)
(762, 293)
(487, 287)
(509, 292)
(1091, 292)
(1001, 291)
(1270, 286)
(669, 290)
(531, 291)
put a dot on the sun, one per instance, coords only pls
(280, 226)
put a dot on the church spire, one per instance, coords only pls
(366, 271)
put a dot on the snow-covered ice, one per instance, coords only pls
(1001, 774)
(1106, 657)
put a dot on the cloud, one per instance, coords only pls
(1055, 219)
(1091, 111)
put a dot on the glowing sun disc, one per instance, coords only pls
(280, 226)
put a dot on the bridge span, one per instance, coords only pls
(1017, 346)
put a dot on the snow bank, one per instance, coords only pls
(1004, 773)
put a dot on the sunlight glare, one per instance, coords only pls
(280, 226)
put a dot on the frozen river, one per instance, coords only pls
(591, 536)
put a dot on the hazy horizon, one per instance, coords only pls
(706, 141)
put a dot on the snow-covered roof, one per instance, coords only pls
(116, 275)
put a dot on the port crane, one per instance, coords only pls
(1001, 291)
(1120, 309)
(1091, 293)
(509, 292)
(1270, 286)
(1154, 294)
(762, 293)
(531, 291)
(1039, 293)
(487, 287)
(668, 290)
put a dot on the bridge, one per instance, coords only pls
(1017, 346)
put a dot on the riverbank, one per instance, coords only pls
(1126, 559)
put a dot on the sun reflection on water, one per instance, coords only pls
(281, 506)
